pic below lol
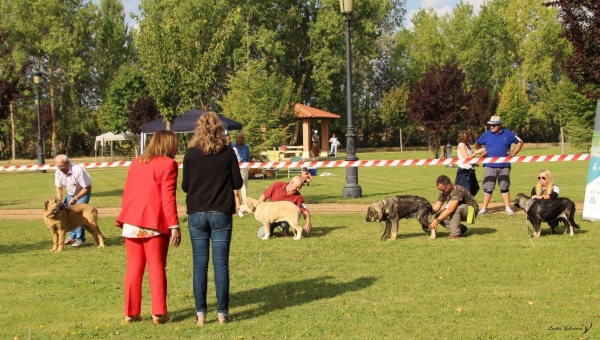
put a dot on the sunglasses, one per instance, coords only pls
(492, 125)
(544, 178)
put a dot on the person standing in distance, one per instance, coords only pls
(497, 142)
(243, 153)
(79, 190)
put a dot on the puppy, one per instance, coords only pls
(539, 210)
(392, 209)
(61, 219)
(270, 212)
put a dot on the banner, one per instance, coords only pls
(591, 202)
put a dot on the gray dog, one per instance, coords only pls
(392, 209)
(539, 210)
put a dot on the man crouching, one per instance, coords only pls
(281, 191)
(458, 200)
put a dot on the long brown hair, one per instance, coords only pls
(163, 143)
(209, 135)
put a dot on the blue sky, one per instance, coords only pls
(412, 6)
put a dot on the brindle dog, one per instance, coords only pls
(61, 219)
(540, 210)
(392, 209)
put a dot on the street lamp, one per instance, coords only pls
(37, 79)
(351, 189)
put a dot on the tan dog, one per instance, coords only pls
(61, 219)
(270, 212)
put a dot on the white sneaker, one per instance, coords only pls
(78, 243)
(482, 211)
(509, 211)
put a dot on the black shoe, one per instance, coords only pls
(463, 229)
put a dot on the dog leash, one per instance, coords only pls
(529, 230)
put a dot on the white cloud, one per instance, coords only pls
(441, 7)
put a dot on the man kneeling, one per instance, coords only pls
(458, 200)
(281, 191)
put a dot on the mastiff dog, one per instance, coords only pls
(540, 210)
(392, 209)
(270, 212)
(60, 219)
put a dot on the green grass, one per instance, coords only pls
(339, 283)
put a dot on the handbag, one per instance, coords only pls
(474, 183)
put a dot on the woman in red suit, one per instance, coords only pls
(149, 221)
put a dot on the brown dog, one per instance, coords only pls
(61, 219)
(269, 212)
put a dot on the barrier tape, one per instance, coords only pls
(341, 163)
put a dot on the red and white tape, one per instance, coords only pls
(340, 164)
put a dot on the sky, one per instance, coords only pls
(412, 6)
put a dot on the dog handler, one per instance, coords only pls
(457, 200)
(281, 191)
(79, 190)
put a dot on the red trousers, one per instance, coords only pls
(139, 252)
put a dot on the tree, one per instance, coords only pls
(437, 101)
(57, 38)
(113, 45)
(263, 104)
(180, 44)
(580, 20)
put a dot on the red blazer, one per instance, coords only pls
(149, 196)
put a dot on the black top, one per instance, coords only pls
(209, 181)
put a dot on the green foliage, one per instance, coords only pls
(179, 47)
(513, 107)
(128, 86)
(263, 104)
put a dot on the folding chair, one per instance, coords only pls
(295, 159)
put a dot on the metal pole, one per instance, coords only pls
(40, 147)
(351, 189)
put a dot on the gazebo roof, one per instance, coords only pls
(302, 111)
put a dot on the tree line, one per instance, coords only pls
(252, 61)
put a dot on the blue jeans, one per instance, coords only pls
(203, 227)
(79, 233)
(333, 150)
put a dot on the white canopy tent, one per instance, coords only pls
(110, 137)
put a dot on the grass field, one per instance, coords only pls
(340, 282)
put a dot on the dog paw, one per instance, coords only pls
(265, 237)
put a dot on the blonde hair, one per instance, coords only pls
(549, 186)
(209, 135)
(163, 143)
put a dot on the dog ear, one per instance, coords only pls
(46, 205)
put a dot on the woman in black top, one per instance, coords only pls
(210, 174)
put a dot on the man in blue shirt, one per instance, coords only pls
(243, 153)
(497, 142)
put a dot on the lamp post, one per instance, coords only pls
(351, 189)
(37, 79)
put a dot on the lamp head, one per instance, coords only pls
(37, 77)
(347, 7)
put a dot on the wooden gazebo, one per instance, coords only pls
(306, 113)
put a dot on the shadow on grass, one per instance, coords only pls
(323, 231)
(47, 245)
(111, 193)
(283, 295)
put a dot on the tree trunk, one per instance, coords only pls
(12, 131)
